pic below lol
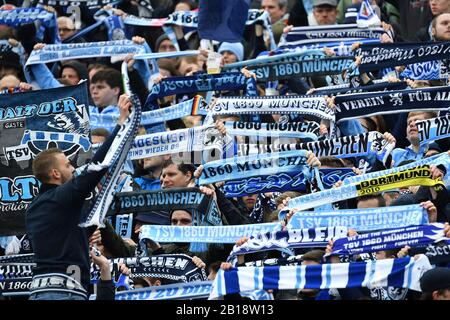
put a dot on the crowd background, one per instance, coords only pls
(417, 22)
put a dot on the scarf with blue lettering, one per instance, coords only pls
(360, 219)
(345, 32)
(302, 130)
(304, 68)
(199, 83)
(52, 53)
(20, 16)
(293, 180)
(173, 267)
(399, 273)
(180, 110)
(433, 129)
(277, 58)
(314, 106)
(340, 48)
(427, 70)
(439, 159)
(385, 55)
(343, 147)
(214, 234)
(185, 291)
(293, 238)
(202, 141)
(413, 236)
(379, 85)
(250, 166)
(114, 159)
(354, 106)
(419, 175)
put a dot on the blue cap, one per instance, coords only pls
(236, 47)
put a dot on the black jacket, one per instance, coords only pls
(52, 223)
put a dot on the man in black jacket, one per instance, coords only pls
(61, 247)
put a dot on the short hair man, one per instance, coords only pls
(105, 89)
(415, 151)
(277, 11)
(66, 27)
(440, 27)
(325, 12)
(61, 247)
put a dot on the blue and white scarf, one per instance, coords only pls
(114, 159)
(353, 106)
(293, 180)
(230, 169)
(433, 129)
(277, 58)
(314, 106)
(385, 55)
(342, 147)
(304, 68)
(20, 16)
(199, 83)
(293, 238)
(61, 52)
(419, 175)
(427, 70)
(302, 130)
(413, 236)
(340, 47)
(400, 273)
(436, 253)
(439, 159)
(182, 109)
(344, 32)
(201, 139)
(379, 85)
(215, 234)
(174, 267)
(360, 219)
(185, 291)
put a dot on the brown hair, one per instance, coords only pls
(44, 162)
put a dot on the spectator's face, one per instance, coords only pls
(274, 10)
(439, 6)
(367, 203)
(412, 133)
(228, 57)
(66, 27)
(63, 168)
(249, 201)
(103, 95)
(325, 15)
(166, 46)
(181, 218)
(9, 81)
(71, 75)
(380, 255)
(171, 177)
(442, 29)
(182, 6)
(97, 139)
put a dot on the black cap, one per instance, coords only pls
(435, 279)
